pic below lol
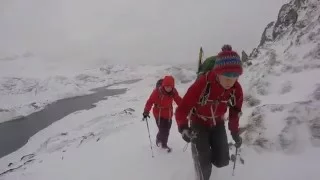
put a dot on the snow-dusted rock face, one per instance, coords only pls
(244, 57)
(295, 18)
(267, 34)
(282, 84)
(288, 127)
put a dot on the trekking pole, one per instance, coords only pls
(149, 137)
(234, 163)
(185, 147)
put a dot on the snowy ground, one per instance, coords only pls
(111, 142)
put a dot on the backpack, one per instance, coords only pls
(207, 65)
(159, 83)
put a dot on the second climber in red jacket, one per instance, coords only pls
(161, 99)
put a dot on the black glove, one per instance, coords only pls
(186, 133)
(237, 139)
(145, 115)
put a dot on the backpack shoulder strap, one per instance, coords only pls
(160, 96)
(232, 101)
(206, 92)
(232, 98)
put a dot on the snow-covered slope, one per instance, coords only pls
(281, 116)
(28, 83)
(113, 130)
(283, 80)
(111, 142)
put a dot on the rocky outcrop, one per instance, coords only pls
(267, 34)
(244, 57)
(254, 54)
(298, 23)
(287, 22)
(287, 17)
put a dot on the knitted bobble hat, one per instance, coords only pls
(228, 63)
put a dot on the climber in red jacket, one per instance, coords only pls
(161, 99)
(206, 103)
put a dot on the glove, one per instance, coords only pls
(145, 115)
(237, 139)
(187, 134)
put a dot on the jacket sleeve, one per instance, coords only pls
(234, 112)
(177, 98)
(151, 101)
(189, 100)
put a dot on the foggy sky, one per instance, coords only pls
(131, 31)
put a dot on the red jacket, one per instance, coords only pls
(204, 112)
(162, 102)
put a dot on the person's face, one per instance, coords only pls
(168, 88)
(227, 82)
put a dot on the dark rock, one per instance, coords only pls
(315, 128)
(64, 134)
(255, 52)
(287, 16)
(286, 87)
(251, 100)
(244, 56)
(35, 105)
(29, 161)
(316, 93)
(249, 63)
(4, 110)
(277, 108)
(265, 37)
(261, 142)
(128, 111)
(27, 157)
(299, 3)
